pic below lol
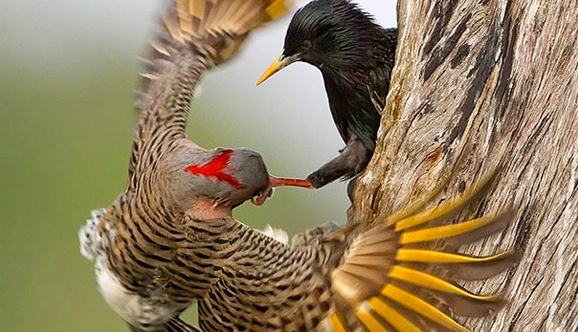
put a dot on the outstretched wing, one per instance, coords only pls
(392, 278)
(194, 35)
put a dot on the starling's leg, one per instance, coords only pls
(351, 188)
(279, 182)
(349, 163)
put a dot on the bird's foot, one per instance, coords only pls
(320, 177)
(279, 182)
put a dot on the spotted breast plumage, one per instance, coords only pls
(170, 238)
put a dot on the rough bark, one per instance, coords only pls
(476, 82)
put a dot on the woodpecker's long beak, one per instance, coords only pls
(279, 63)
(275, 181)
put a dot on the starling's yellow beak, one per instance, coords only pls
(279, 63)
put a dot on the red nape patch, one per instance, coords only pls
(214, 168)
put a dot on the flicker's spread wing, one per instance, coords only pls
(393, 279)
(194, 35)
(219, 26)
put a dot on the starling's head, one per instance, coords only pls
(329, 34)
(219, 179)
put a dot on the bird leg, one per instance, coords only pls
(275, 181)
(351, 161)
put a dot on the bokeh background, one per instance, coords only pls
(67, 73)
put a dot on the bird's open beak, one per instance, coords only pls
(279, 63)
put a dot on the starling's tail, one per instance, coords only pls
(219, 26)
(395, 278)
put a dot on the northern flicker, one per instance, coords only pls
(170, 238)
(355, 56)
(141, 243)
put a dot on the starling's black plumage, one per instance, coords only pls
(355, 56)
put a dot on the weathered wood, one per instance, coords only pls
(473, 78)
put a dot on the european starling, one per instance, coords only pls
(355, 56)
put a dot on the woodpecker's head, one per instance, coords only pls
(218, 180)
(332, 35)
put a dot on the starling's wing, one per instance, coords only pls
(392, 278)
(378, 87)
(380, 77)
(194, 35)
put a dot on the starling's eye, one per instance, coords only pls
(306, 45)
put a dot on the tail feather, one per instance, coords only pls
(387, 276)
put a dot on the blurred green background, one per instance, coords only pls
(67, 73)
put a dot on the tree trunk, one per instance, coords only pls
(477, 83)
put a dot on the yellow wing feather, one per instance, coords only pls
(220, 26)
(375, 269)
(421, 307)
(432, 282)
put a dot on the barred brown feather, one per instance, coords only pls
(148, 267)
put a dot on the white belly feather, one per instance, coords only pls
(131, 307)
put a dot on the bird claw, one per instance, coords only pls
(263, 196)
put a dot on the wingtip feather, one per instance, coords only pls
(421, 307)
